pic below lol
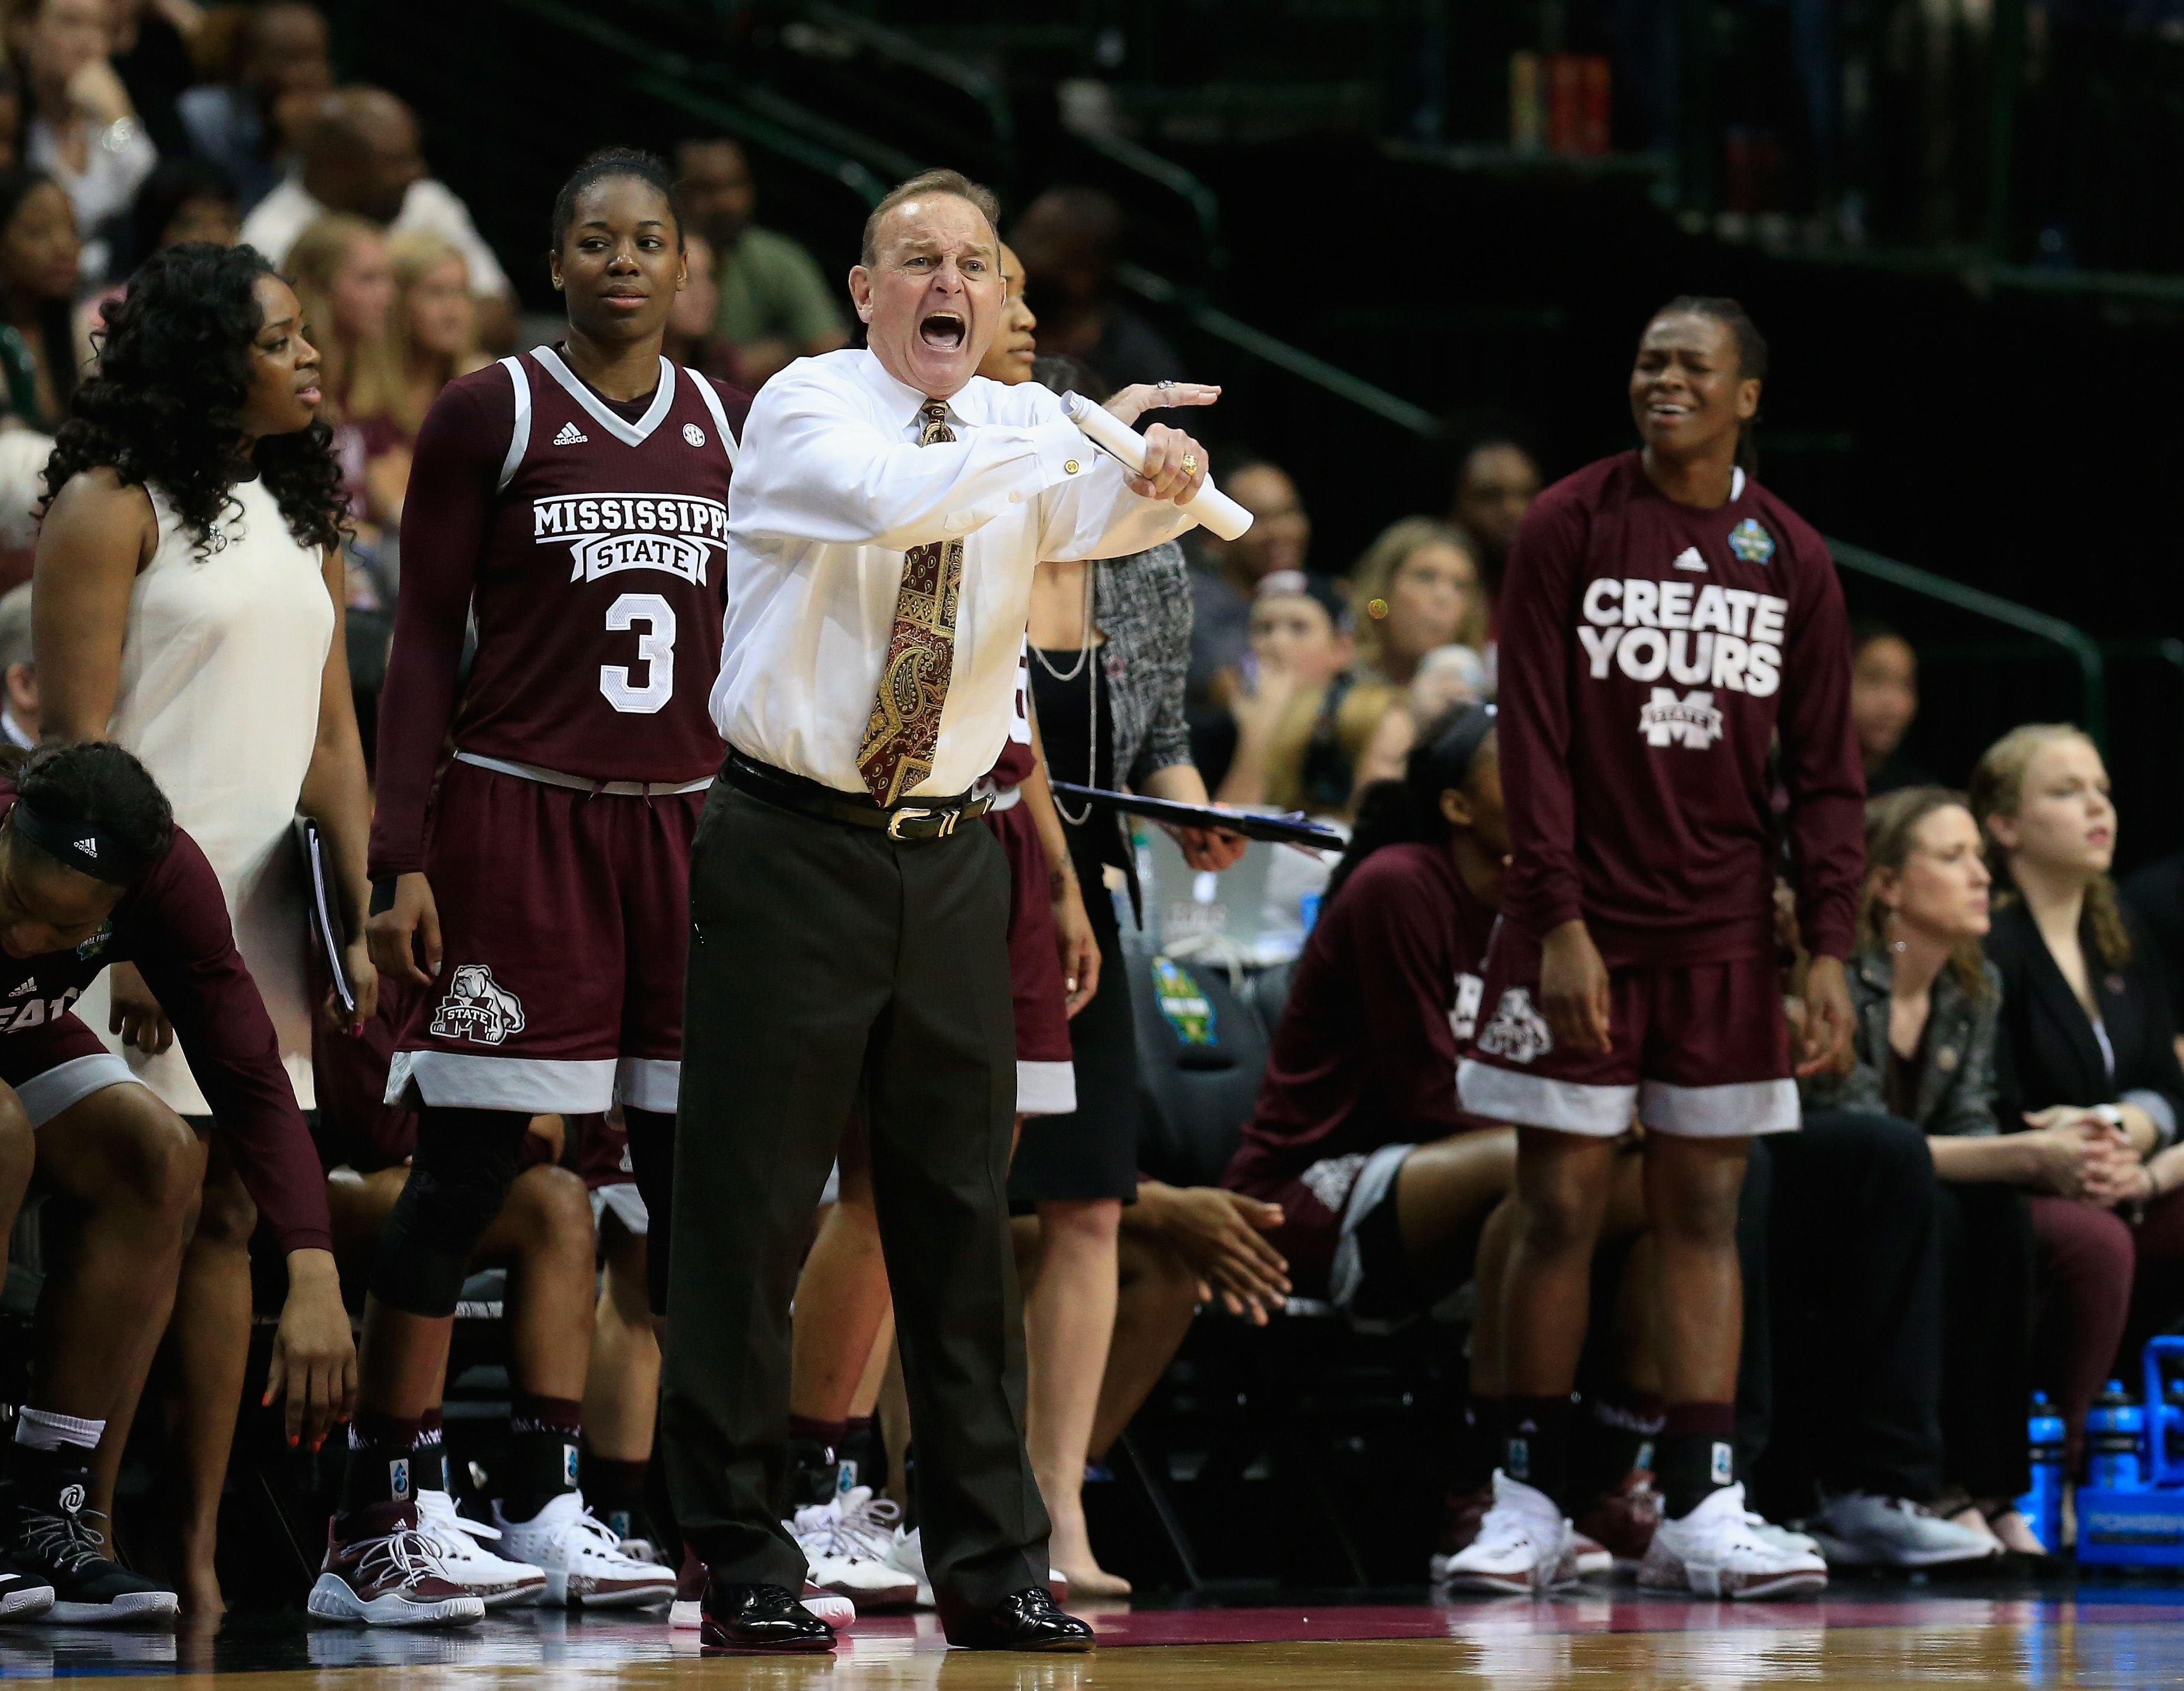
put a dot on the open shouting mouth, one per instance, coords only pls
(943, 330)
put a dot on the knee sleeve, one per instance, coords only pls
(652, 1160)
(465, 1162)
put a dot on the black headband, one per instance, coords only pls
(1449, 758)
(79, 844)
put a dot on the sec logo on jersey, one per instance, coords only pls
(693, 434)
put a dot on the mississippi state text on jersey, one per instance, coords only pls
(590, 537)
(1650, 652)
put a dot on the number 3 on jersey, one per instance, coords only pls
(655, 650)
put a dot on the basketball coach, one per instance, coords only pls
(887, 510)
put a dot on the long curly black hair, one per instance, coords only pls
(164, 406)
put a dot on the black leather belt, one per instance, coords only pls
(925, 819)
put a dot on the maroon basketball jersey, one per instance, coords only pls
(1017, 758)
(601, 582)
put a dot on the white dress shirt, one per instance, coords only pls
(832, 487)
(429, 205)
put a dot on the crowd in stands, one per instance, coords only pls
(2004, 1147)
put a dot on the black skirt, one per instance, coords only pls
(1092, 1152)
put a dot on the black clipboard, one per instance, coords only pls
(1292, 829)
(327, 943)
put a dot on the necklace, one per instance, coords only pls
(1082, 666)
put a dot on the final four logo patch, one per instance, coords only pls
(1751, 543)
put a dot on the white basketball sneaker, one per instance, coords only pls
(464, 1560)
(1526, 1547)
(907, 1556)
(583, 1561)
(1722, 1549)
(847, 1541)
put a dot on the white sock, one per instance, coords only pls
(42, 1429)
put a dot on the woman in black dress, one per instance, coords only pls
(1110, 645)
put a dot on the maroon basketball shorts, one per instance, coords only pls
(562, 919)
(56, 1062)
(1698, 1049)
(1046, 1081)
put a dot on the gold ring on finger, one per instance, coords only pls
(1189, 464)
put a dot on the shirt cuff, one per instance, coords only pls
(2163, 1113)
(1065, 453)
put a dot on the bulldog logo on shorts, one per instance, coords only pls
(477, 1007)
(1518, 1033)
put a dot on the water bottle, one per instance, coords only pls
(2043, 1506)
(2113, 1427)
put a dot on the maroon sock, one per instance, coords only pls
(1696, 1455)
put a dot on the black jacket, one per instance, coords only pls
(2048, 1054)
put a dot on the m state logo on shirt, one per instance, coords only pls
(607, 533)
(1692, 720)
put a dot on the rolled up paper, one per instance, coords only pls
(1214, 509)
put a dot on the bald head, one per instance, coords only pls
(361, 153)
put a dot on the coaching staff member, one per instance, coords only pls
(848, 922)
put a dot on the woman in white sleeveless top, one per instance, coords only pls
(188, 605)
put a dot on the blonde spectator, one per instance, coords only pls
(344, 276)
(433, 339)
(1416, 588)
(1302, 718)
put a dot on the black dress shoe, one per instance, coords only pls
(1023, 1620)
(756, 1618)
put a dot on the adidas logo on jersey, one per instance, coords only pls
(571, 435)
(88, 847)
(1689, 559)
(25, 989)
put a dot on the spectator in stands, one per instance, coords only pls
(39, 254)
(246, 124)
(432, 340)
(1926, 1006)
(181, 200)
(774, 306)
(1884, 700)
(195, 615)
(1416, 588)
(19, 670)
(1301, 717)
(1071, 240)
(361, 155)
(151, 55)
(344, 277)
(1494, 481)
(82, 131)
(1227, 573)
(124, 1172)
(23, 454)
(2091, 1048)
(693, 339)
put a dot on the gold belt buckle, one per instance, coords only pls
(907, 813)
